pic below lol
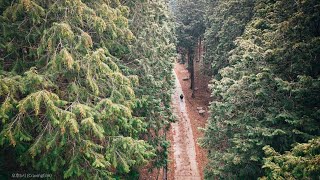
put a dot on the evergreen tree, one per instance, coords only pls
(69, 103)
(151, 59)
(225, 21)
(267, 97)
(302, 162)
(189, 16)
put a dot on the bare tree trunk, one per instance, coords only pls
(191, 69)
(199, 49)
(187, 57)
(158, 173)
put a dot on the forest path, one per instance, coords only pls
(184, 151)
(181, 135)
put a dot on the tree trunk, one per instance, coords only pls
(191, 69)
(199, 49)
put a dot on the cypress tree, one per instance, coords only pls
(69, 104)
(267, 99)
(151, 59)
(189, 17)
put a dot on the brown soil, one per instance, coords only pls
(202, 99)
(196, 121)
(183, 145)
(145, 174)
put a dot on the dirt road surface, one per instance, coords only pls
(185, 164)
(184, 148)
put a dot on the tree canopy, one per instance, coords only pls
(77, 95)
(85, 85)
(266, 84)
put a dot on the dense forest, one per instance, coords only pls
(86, 86)
(263, 56)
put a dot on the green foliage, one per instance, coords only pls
(267, 95)
(189, 16)
(70, 104)
(153, 54)
(225, 21)
(302, 162)
(190, 22)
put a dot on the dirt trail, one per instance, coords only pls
(185, 164)
(181, 134)
(186, 158)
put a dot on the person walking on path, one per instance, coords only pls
(181, 97)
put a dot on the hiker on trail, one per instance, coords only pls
(181, 97)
